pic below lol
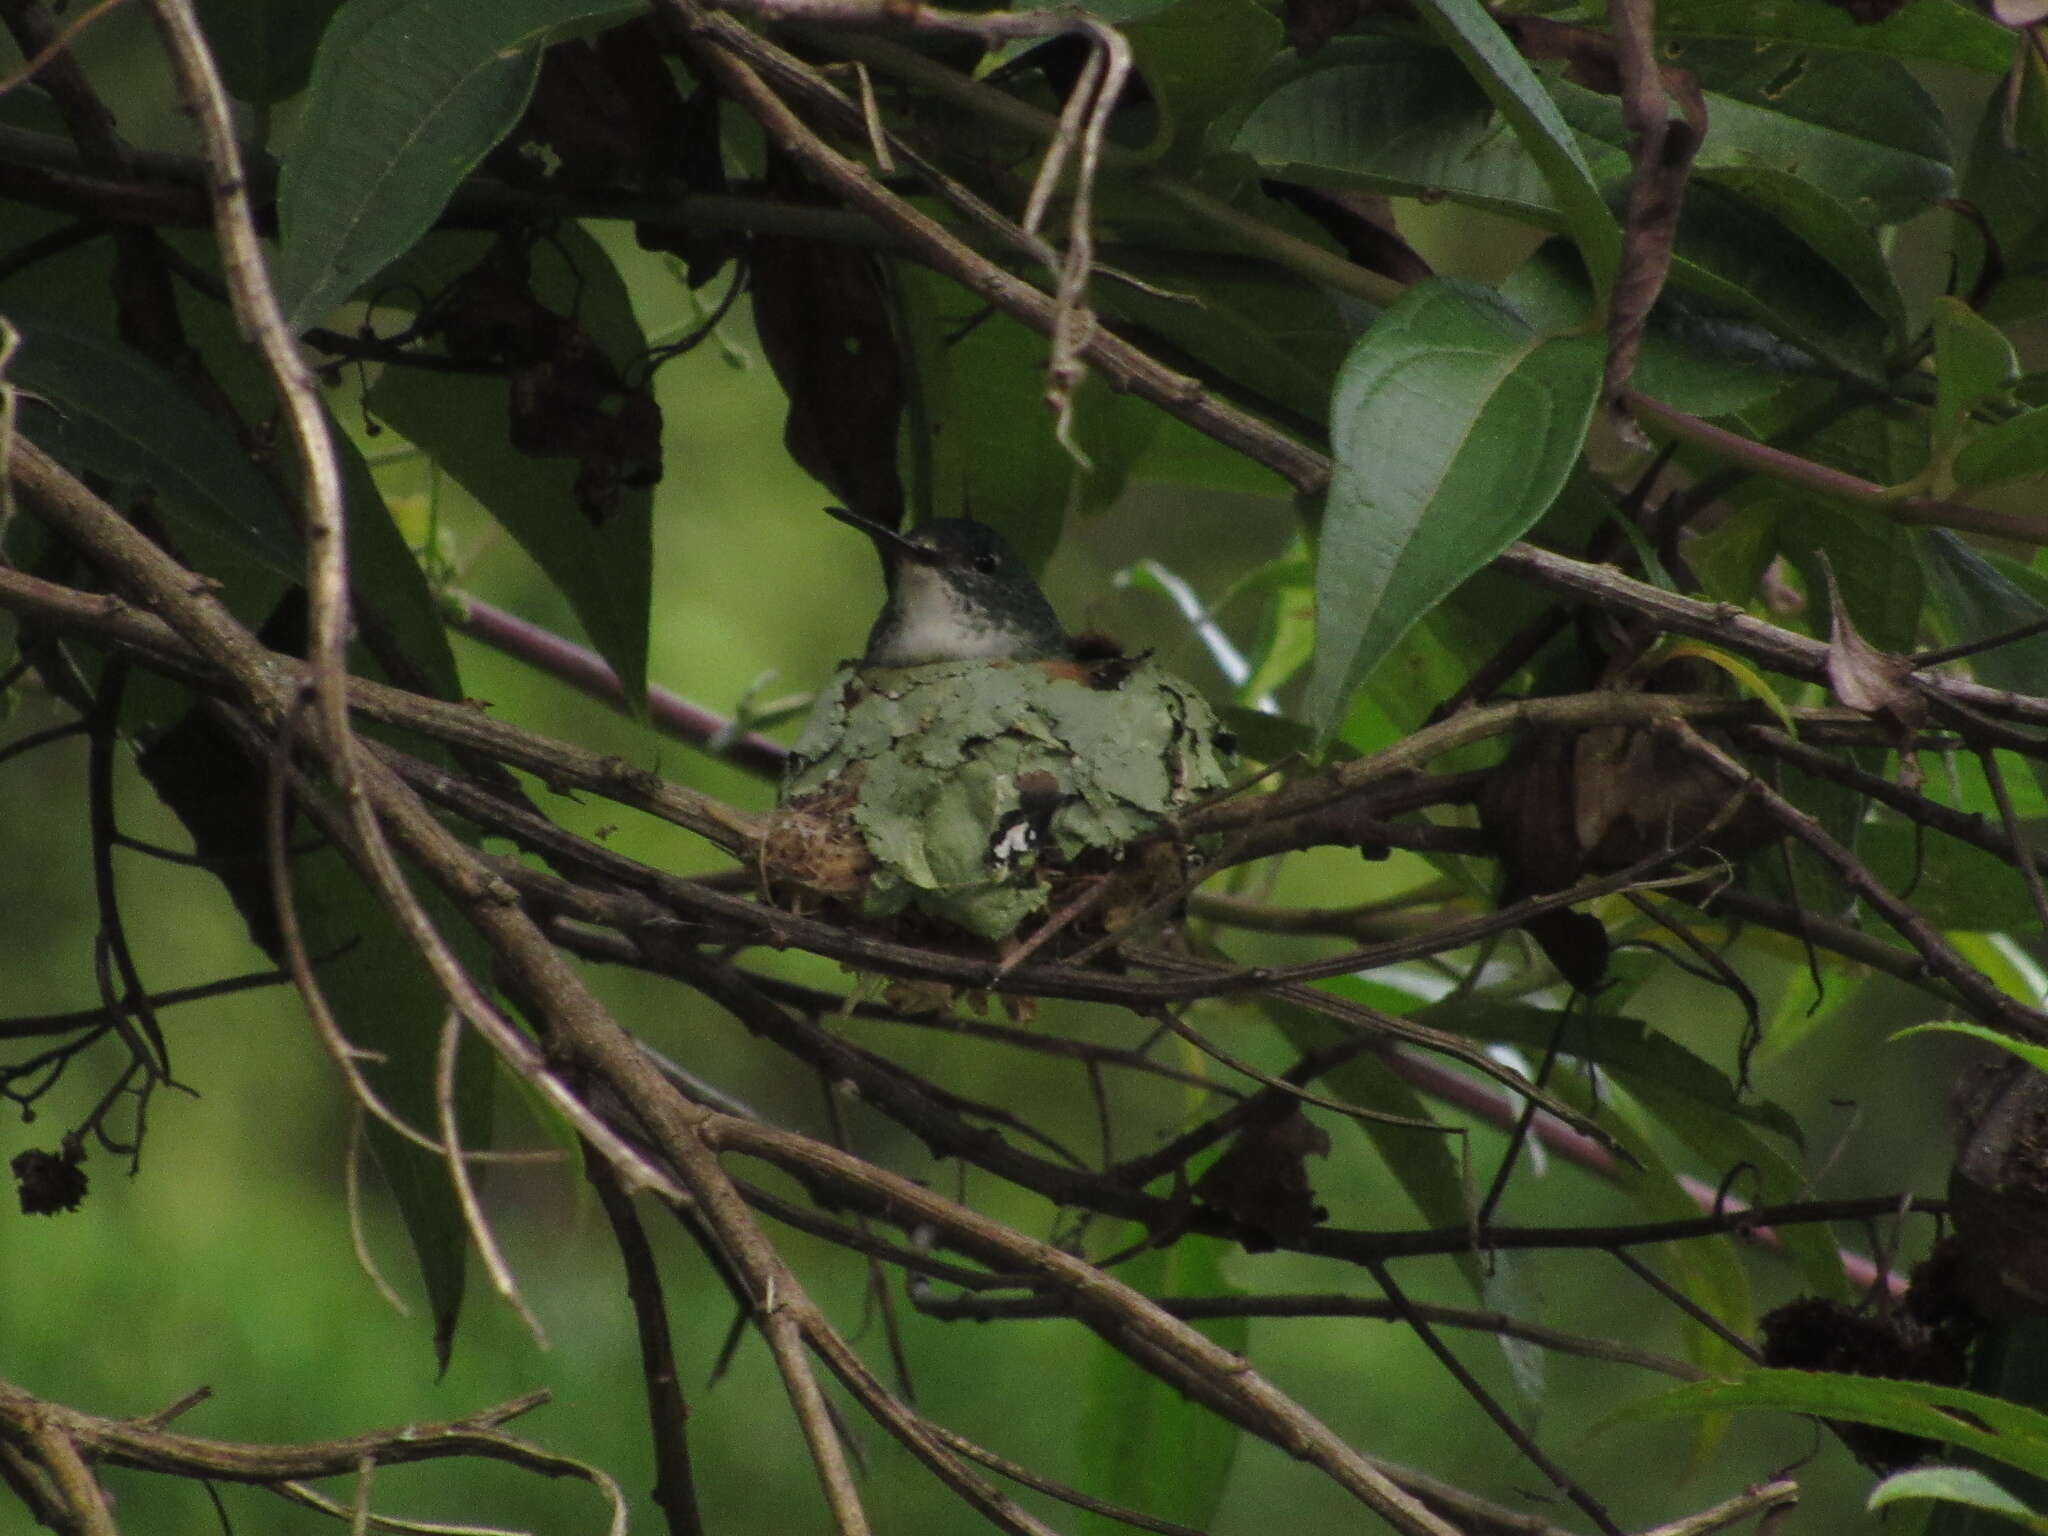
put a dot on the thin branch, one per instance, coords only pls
(675, 1485)
(136, 1444)
(1520, 1438)
(1125, 366)
(977, 1307)
(1878, 500)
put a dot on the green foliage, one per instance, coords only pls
(1346, 337)
(1999, 1431)
(406, 97)
(1445, 374)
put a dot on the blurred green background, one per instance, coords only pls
(226, 1260)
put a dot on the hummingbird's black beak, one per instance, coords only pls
(887, 539)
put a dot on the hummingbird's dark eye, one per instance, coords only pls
(986, 563)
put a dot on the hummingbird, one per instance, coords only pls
(976, 761)
(957, 592)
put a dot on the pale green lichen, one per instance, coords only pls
(949, 758)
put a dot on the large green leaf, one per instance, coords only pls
(94, 404)
(1145, 1444)
(1825, 226)
(1736, 254)
(605, 571)
(1686, 1095)
(1955, 1485)
(2006, 183)
(1973, 364)
(265, 47)
(1454, 426)
(1980, 595)
(1636, 1054)
(1279, 337)
(1386, 114)
(1939, 31)
(1986, 1426)
(1862, 131)
(406, 97)
(1519, 96)
(1422, 1162)
(1198, 57)
(1874, 561)
(2012, 450)
(1704, 365)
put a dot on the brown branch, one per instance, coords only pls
(1978, 991)
(982, 1308)
(139, 1444)
(675, 1485)
(1126, 367)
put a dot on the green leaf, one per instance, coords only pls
(1287, 626)
(1953, 1485)
(1678, 1090)
(1825, 226)
(1876, 565)
(1957, 887)
(1709, 1272)
(1484, 49)
(1129, 1414)
(1863, 132)
(98, 406)
(2006, 182)
(1985, 1426)
(1940, 31)
(1176, 454)
(389, 1006)
(390, 590)
(1384, 114)
(604, 571)
(979, 402)
(406, 97)
(1280, 337)
(1980, 595)
(1706, 369)
(2035, 1056)
(265, 47)
(1738, 255)
(1453, 428)
(2012, 450)
(1198, 57)
(1973, 364)
(1629, 1048)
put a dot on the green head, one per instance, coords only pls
(957, 592)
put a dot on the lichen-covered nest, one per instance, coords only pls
(964, 790)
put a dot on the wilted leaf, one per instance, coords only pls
(602, 566)
(823, 316)
(1262, 1180)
